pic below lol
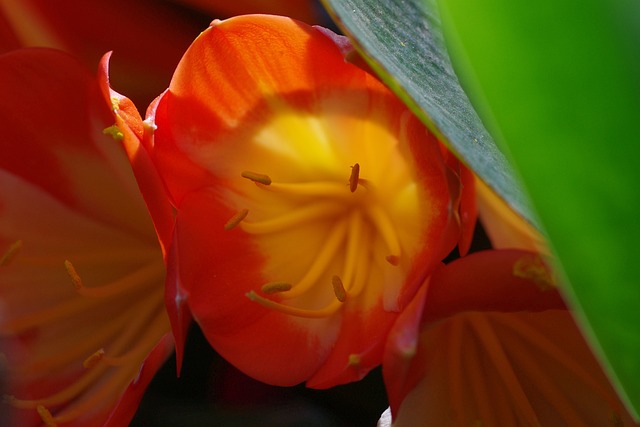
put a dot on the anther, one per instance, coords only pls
(11, 253)
(75, 277)
(93, 360)
(114, 132)
(393, 260)
(276, 287)
(354, 178)
(532, 267)
(257, 177)
(236, 219)
(338, 289)
(46, 416)
(354, 360)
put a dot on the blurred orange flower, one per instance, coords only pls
(82, 317)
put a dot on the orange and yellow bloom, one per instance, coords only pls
(311, 203)
(83, 326)
(489, 342)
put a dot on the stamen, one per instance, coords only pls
(387, 230)
(13, 250)
(309, 189)
(146, 274)
(67, 309)
(46, 416)
(257, 177)
(353, 179)
(322, 260)
(75, 277)
(236, 219)
(353, 246)
(362, 265)
(338, 289)
(295, 311)
(305, 214)
(64, 395)
(93, 360)
(71, 352)
(139, 349)
(276, 287)
(106, 391)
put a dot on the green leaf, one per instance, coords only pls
(402, 42)
(561, 82)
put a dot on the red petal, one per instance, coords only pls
(134, 133)
(128, 404)
(67, 192)
(490, 281)
(505, 228)
(480, 282)
(137, 36)
(259, 341)
(468, 210)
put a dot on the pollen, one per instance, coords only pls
(114, 132)
(338, 289)
(276, 287)
(354, 178)
(236, 219)
(93, 360)
(533, 267)
(73, 274)
(257, 177)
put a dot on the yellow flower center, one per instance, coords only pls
(339, 219)
(89, 340)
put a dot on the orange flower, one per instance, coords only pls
(488, 342)
(491, 346)
(136, 30)
(82, 318)
(310, 202)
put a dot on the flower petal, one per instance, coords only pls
(496, 349)
(265, 94)
(261, 342)
(134, 135)
(505, 228)
(83, 275)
